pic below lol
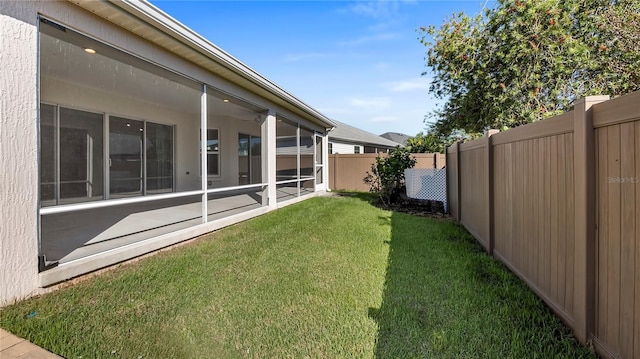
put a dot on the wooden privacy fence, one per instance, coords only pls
(558, 202)
(347, 171)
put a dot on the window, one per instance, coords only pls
(330, 148)
(356, 149)
(213, 152)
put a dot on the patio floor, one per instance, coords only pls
(12, 347)
(70, 236)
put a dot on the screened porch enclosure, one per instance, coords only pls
(130, 151)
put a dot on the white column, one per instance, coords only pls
(325, 162)
(269, 148)
(299, 183)
(203, 152)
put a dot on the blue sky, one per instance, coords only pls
(359, 62)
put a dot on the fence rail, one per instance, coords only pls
(558, 202)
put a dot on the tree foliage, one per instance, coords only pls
(387, 175)
(525, 60)
(425, 143)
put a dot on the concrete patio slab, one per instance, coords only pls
(12, 347)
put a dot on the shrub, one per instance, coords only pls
(386, 178)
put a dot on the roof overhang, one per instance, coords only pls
(147, 21)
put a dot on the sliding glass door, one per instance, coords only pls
(249, 159)
(140, 157)
(125, 157)
(71, 166)
(159, 149)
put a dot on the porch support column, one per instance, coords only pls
(325, 161)
(269, 134)
(203, 152)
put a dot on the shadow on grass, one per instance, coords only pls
(444, 297)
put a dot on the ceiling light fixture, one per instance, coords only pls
(89, 50)
(225, 100)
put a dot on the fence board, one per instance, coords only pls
(636, 322)
(547, 220)
(569, 280)
(627, 231)
(535, 211)
(452, 180)
(519, 215)
(474, 191)
(441, 160)
(553, 181)
(562, 217)
(613, 238)
(542, 148)
(529, 224)
(603, 224)
(346, 172)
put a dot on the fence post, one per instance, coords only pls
(446, 178)
(585, 216)
(490, 189)
(335, 172)
(459, 207)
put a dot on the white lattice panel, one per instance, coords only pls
(430, 184)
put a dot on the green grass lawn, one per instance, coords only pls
(326, 278)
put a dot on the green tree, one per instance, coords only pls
(425, 143)
(525, 60)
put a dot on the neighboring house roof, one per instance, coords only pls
(347, 133)
(151, 23)
(397, 137)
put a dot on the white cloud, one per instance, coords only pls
(381, 66)
(419, 83)
(377, 8)
(374, 9)
(370, 104)
(368, 39)
(305, 56)
(382, 119)
(335, 111)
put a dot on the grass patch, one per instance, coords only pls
(328, 277)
